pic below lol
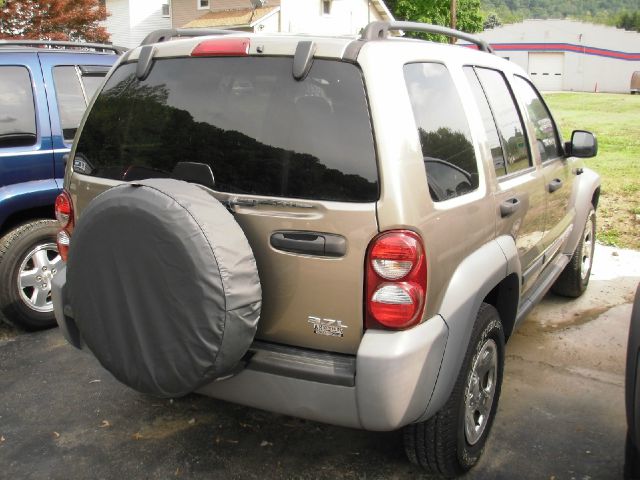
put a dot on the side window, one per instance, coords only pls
(489, 123)
(17, 110)
(91, 83)
(71, 101)
(505, 112)
(449, 157)
(546, 133)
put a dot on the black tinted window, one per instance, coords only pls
(508, 119)
(17, 111)
(493, 138)
(71, 101)
(259, 130)
(448, 153)
(546, 134)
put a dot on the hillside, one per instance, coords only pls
(601, 11)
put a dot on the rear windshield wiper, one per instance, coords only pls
(94, 70)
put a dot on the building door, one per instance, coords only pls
(546, 70)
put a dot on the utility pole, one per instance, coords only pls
(453, 19)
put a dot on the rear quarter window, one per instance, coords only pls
(260, 131)
(447, 148)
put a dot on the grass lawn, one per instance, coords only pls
(615, 119)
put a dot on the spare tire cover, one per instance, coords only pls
(163, 286)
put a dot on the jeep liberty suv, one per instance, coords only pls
(45, 87)
(346, 230)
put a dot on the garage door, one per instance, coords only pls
(546, 70)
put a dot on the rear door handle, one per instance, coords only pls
(310, 243)
(554, 185)
(510, 206)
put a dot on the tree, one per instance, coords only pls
(491, 21)
(76, 20)
(629, 21)
(438, 12)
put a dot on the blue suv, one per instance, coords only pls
(45, 88)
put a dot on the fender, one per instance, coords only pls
(24, 196)
(476, 276)
(585, 186)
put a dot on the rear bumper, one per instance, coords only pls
(387, 385)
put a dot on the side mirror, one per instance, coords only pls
(583, 144)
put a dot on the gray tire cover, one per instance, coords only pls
(163, 286)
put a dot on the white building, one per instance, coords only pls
(129, 21)
(570, 55)
(333, 17)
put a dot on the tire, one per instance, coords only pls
(29, 248)
(451, 442)
(631, 460)
(574, 279)
(163, 286)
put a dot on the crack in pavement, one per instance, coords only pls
(577, 371)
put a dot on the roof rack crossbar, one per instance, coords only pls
(379, 30)
(60, 43)
(166, 34)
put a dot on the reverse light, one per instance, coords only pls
(64, 215)
(396, 280)
(222, 47)
(63, 240)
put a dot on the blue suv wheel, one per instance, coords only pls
(29, 260)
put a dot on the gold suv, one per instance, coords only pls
(346, 230)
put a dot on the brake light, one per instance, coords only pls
(222, 47)
(64, 215)
(396, 280)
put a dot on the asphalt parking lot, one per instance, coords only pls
(561, 414)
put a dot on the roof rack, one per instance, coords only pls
(64, 44)
(166, 34)
(379, 30)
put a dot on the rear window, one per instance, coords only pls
(260, 131)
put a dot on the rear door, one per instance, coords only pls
(25, 137)
(520, 195)
(293, 160)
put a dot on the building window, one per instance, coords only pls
(326, 7)
(166, 9)
(203, 4)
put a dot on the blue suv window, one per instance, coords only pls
(73, 92)
(17, 111)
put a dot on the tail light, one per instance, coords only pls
(396, 280)
(64, 215)
(222, 47)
